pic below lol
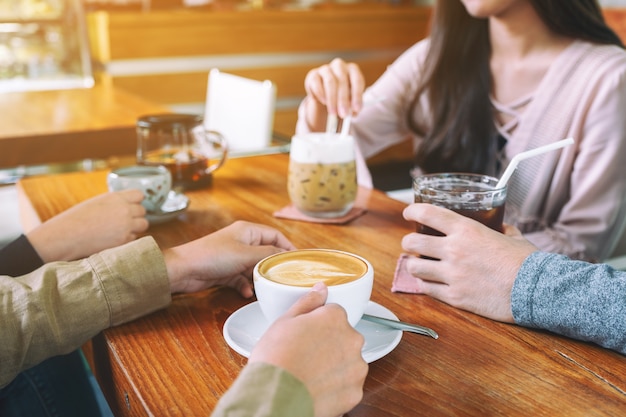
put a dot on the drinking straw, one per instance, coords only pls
(527, 154)
(345, 126)
(331, 124)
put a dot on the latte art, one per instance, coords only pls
(282, 279)
(308, 267)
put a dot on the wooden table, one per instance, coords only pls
(176, 363)
(43, 127)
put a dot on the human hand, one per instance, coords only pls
(102, 222)
(333, 89)
(477, 266)
(226, 257)
(317, 345)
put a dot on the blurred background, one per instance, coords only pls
(136, 46)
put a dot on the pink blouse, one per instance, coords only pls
(571, 201)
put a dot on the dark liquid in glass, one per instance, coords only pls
(188, 174)
(491, 218)
(470, 195)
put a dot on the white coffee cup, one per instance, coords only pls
(154, 181)
(322, 174)
(281, 279)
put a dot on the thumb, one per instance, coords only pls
(310, 301)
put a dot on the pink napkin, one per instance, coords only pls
(403, 281)
(359, 209)
(290, 212)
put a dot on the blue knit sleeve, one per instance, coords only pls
(573, 298)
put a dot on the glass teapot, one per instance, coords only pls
(181, 143)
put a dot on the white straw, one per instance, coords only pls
(345, 125)
(332, 121)
(331, 124)
(527, 154)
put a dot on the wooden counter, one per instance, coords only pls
(175, 362)
(43, 127)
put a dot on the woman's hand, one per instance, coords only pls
(334, 89)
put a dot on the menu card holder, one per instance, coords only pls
(241, 109)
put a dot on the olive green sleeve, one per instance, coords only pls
(58, 307)
(264, 390)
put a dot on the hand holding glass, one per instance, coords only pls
(472, 195)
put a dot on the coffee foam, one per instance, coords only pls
(322, 148)
(305, 268)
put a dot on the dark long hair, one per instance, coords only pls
(457, 80)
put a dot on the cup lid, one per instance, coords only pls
(169, 120)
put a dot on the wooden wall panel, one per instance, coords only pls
(165, 55)
(616, 19)
(135, 35)
(285, 122)
(192, 87)
(152, 54)
(166, 88)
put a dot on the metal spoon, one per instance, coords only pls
(400, 325)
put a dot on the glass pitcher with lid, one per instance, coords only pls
(181, 143)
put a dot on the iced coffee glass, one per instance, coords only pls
(472, 195)
(322, 174)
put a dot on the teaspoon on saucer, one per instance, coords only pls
(400, 325)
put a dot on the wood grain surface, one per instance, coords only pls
(43, 127)
(175, 362)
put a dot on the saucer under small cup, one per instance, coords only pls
(175, 204)
(243, 329)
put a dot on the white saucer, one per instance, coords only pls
(175, 204)
(245, 327)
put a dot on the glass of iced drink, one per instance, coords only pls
(472, 195)
(322, 174)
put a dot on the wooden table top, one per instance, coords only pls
(41, 127)
(176, 361)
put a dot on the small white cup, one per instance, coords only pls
(281, 279)
(154, 181)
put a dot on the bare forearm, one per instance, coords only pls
(51, 247)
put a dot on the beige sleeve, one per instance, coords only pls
(264, 390)
(61, 305)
